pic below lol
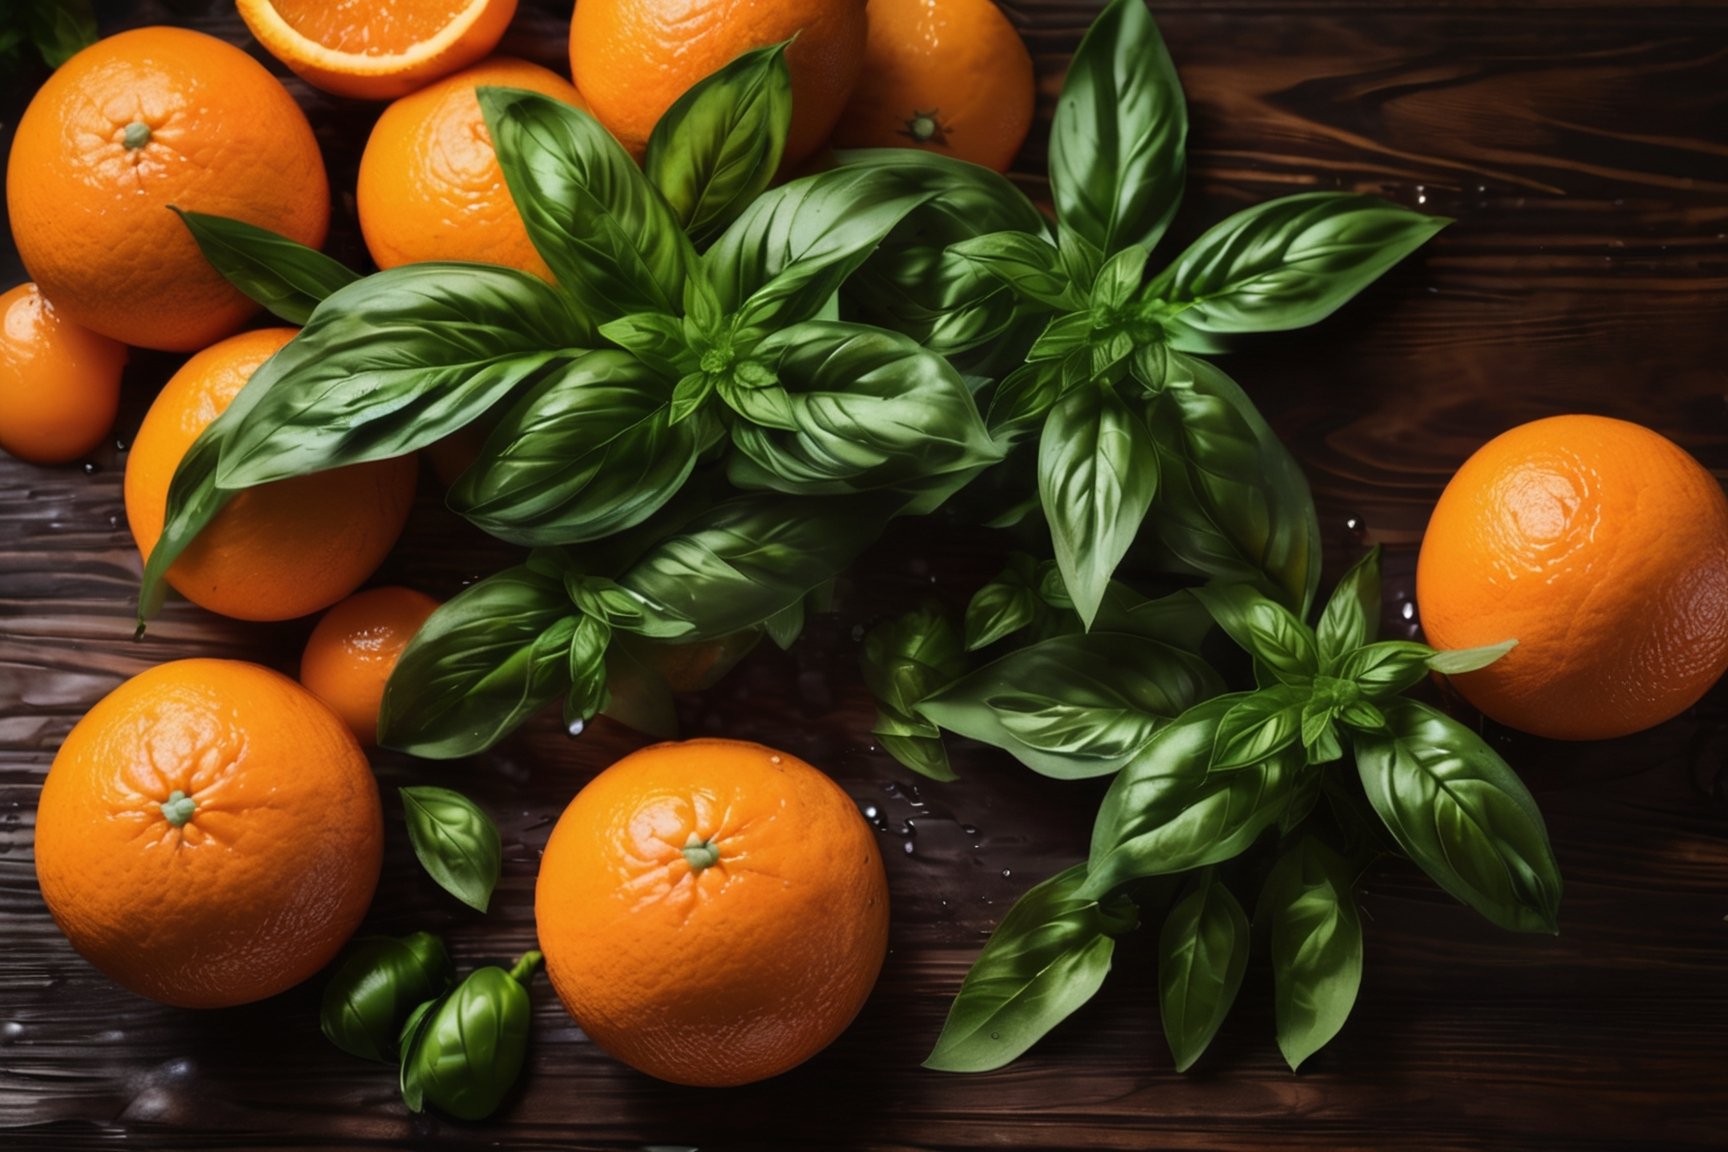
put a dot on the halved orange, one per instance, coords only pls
(376, 51)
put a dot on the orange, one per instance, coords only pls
(59, 381)
(355, 645)
(430, 185)
(1602, 548)
(277, 551)
(712, 912)
(209, 834)
(376, 51)
(948, 76)
(135, 123)
(632, 59)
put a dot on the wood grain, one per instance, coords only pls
(1582, 148)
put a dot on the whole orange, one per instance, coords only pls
(59, 381)
(712, 912)
(632, 59)
(277, 551)
(132, 124)
(430, 186)
(1602, 548)
(948, 76)
(376, 51)
(350, 653)
(209, 834)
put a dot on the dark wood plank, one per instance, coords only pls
(1583, 149)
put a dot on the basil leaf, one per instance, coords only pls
(656, 339)
(1024, 398)
(905, 660)
(1074, 706)
(870, 409)
(455, 841)
(1048, 957)
(795, 245)
(1202, 954)
(480, 665)
(1027, 263)
(785, 626)
(390, 364)
(1316, 947)
(720, 143)
(1177, 619)
(1258, 727)
(587, 695)
(746, 559)
(1232, 503)
(1286, 263)
(917, 285)
(464, 1052)
(1005, 605)
(1386, 668)
(1118, 141)
(376, 986)
(1164, 813)
(588, 451)
(284, 276)
(608, 236)
(1263, 628)
(1352, 615)
(637, 694)
(1456, 809)
(1097, 473)
(1456, 660)
(1320, 731)
(60, 29)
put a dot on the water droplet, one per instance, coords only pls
(774, 759)
(995, 1035)
(969, 829)
(1355, 525)
(908, 848)
(119, 445)
(91, 468)
(113, 522)
(576, 727)
(871, 812)
(1007, 873)
(1407, 610)
(10, 1032)
(891, 788)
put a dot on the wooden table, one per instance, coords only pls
(1583, 148)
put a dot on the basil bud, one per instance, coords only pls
(462, 1053)
(376, 987)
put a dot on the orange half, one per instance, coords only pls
(376, 51)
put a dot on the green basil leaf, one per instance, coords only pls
(1362, 716)
(1458, 811)
(1309, 784)
(1024, 398)
(1383, 669)
(467, 1049)
(1118, 142)
(60, 29)
(1316, 947)
(1165, 814)
(637, 694)
(609, 238)
(1352, 615)
(917, 285)
(1202, 954)
(481, 664)
(1320, 732)
(390, 364)
(1287, 263)
(1074, 706)
(1265, 629)
(1067, 337)
(455, 841)
(1178, 619)
(1258, 727)
(1005, 605)
(656, 339)
(1049, 956)
(746, 559)
(794, 246)
(1027, 263)
(1233, 504)
(377, 984)
(1119, 280)
(1456, 660)
(905, 660)
(1097, 474)
(587, 693)
(718, 146)
(284, 276)
(871, 410)
(588, 451)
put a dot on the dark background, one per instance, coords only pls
(1582, 148)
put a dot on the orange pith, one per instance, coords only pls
(712, 912)
(273, 860)
(1602, 548)
(277, 551)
